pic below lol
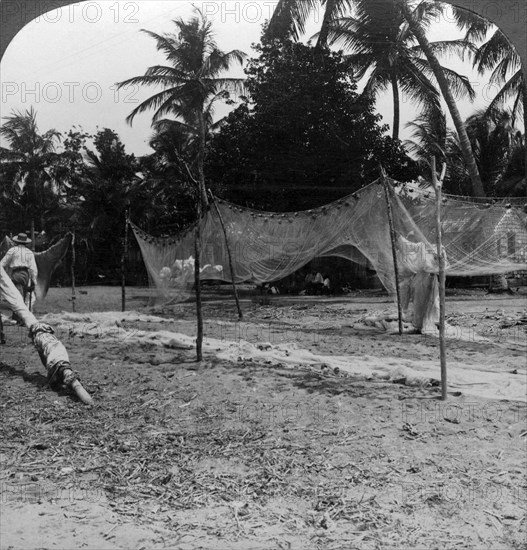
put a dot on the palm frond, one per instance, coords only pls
(218, 62)
(153, 102)
(511, 90)
(459, 84)
(416, 85)
(459, 48)
(360, 63)
(489, 54)
(289, 18)
(167, 44)
(503, 69)
(476, 27)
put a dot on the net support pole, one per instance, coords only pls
(197, 284)
(442, 277)
(394, 251)
(72, 272)
(229, 256)
(123, 259)
(2, 334)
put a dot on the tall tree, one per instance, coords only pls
(417, 29)
(499, 56)
(305, 138)
(289, 19)
(497, 147)
(191, 82)
(383, 46)
(291, 16)
(191, 86)
(27, 166)
(107, 186)
(428, 139)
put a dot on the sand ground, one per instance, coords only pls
(242, 454)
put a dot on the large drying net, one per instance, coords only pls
(268, 246)
(47, 261)
(480, 237)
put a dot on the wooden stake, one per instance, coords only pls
(123, 259)
(2, 334)
(233, 275)
(442, 277)
(394, 251)
(197, 284)
(72, 271)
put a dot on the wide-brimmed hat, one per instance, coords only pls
(21, 238)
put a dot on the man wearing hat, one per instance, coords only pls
(19, 263)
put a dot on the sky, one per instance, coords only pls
(66, 63)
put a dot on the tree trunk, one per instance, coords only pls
(32, 233)
(468, 155)
(201, 162)
(396, 106)
(322, 41)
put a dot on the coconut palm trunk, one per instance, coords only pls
(201, 161)
(396, 106)
(331, 7)
(477, 185)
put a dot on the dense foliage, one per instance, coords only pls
(305, 137)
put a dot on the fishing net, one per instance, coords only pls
(268, 246)
(47, 261)
(480, 237)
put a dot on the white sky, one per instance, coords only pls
(67, 62)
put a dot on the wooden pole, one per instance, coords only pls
(2, 334)
(442, 277)
(394, 251)
(197, 284)
(72, 271)
(233, 275)
(123, 259)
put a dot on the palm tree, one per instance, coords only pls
(382, 43)
(499, 56)
(28, 164)
(191, 82)
(412, 17)
(191, 86)
(290, 17)
(496, 145)
(428, 138)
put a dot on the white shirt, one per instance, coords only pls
(20, 256)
